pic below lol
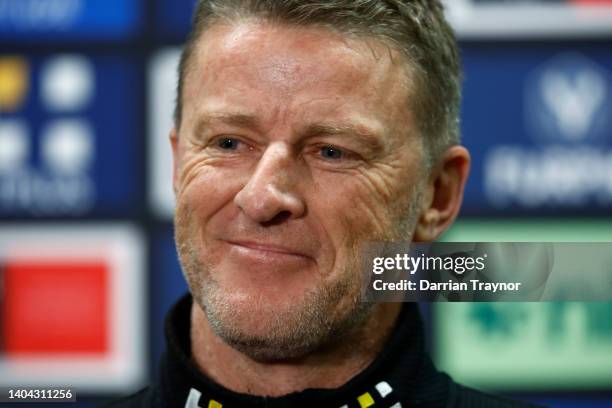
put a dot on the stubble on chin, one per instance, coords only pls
(288, 330)
(285, 331)
(272, 332)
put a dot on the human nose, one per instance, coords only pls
(271, 190)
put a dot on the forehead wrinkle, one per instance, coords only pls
(244, 46)
(237, 119)
(284, 70)
(385, 72)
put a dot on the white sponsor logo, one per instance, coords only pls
(61, 184)
(568, 100)
(39, 14)
(556, 176)
(67, 146)
(573, 100)
(162, 84)
(568, 112)
(67, 83)
(14, 146)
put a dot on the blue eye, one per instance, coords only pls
(227, 143)
(330, 152)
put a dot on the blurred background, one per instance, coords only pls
(87, 261)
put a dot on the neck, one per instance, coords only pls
(330, 368)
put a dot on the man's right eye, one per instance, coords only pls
(228, 143)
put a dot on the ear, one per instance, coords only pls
(443, 194)
(175, 159)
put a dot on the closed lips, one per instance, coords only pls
(264, 247)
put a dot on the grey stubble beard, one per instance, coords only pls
(301, 326)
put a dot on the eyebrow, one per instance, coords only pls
(232, 119)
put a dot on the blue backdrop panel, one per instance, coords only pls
(572, 402)
(71, 136)
(173, 18)
(168, 286)
(538, 122)
(69, 20)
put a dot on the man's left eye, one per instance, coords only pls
(228, 143)
(331, 152)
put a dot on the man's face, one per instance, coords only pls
(296, 146)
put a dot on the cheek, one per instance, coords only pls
(201, 211)
(365, 206)
(205, 190)
(349, 212)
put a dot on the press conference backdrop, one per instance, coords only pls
(87, 261)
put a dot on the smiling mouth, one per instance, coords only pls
(267, 249)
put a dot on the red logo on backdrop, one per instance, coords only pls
(72, 307)
(55, 307)
(592, 2)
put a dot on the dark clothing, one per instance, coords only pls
(401, 376)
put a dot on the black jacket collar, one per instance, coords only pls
(402, 373)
